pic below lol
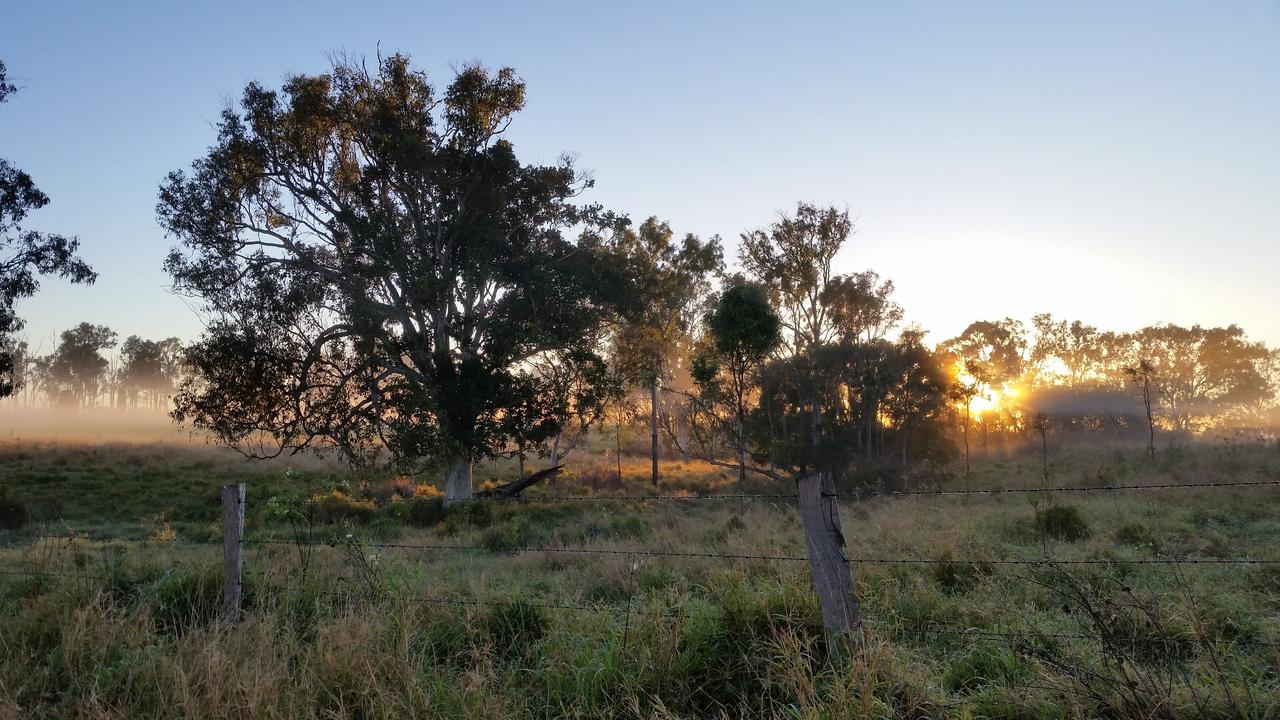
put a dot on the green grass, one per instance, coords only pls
(355, 630)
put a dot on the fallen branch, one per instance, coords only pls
(515, 487)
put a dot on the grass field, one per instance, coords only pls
(346, 626)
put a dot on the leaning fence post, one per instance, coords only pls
(832, 577)
(232, 549)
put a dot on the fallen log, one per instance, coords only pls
(515, 487)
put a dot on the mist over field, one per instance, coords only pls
(98, 425)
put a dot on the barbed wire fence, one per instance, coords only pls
(1030, 641)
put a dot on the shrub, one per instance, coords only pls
(337, 506)
(1063, 522)
(383, 528)
(423, 511)
(654, 578)
(468, 515)
(427, 491)
(1137, 534)
(510, 538)
(14, 514)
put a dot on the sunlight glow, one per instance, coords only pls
(990, 399)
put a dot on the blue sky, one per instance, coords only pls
(1114, 162)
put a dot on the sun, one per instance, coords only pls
(993, 400)
(990, 399)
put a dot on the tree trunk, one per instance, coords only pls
(741, 440)
(815, 427)
(1044, 447)
(682, 428)
(742, 467)
(832, 576)
(457, 484)
(1151, 424)
(555, 449)
(617, 443)
(653, 429)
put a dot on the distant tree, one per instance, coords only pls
(861, 306)
(26, 254)
(996, 347)
(672, 280)
(1206, 374)
(381, 268)
(917, 402)
(1040, 423)
(837, 359)
(862, 311)
(149, 368)
(1265, 410)
(37, 380)
(794, 259)
(16, 355)
(77, 366)
(963, 393)
(742, 331)
(1075, 346)
(1146, 380)
(995, 352)
(580, 388)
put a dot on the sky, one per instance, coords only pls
(1113, 162)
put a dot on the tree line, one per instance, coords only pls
(386, 279)
(142, 375)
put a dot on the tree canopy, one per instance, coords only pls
(381, 268)
(77, 367)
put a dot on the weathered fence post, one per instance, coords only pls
(232, 549)
(832, 577)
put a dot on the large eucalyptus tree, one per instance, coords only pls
(381, 270)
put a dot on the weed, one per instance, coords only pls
(514, 627)
(183, 599)
(1063, 522)
(1139, 535)
(982, 665)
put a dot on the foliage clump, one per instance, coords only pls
(1062, 522)
(337, 506)
(984, 665)
(1139, 535)
(515, 626)
(14, 514)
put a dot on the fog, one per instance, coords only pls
(96, 425)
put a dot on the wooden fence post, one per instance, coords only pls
(832, 577)
(232, 550)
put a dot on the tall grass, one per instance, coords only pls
(130, 629)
